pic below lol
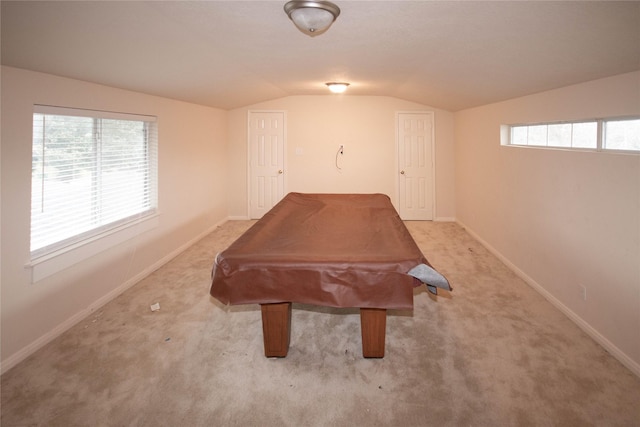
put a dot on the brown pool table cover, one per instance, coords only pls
(336, 250)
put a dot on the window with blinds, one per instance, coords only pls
(92, 172)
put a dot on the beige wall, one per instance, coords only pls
(192, 198)
(561, 218)
(365, 125)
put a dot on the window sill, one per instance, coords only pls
(54, 262)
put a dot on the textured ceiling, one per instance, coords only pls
(228, 54)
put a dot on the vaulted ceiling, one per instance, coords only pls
(227, 54)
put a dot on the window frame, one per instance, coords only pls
(55, 257)
(506, 134)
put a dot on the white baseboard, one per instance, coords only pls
(445, 219)
(34, 346)
(621, 356)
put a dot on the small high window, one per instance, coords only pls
(604, 134)
(621, 135)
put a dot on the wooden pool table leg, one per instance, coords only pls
(276, 328)
(373, 324)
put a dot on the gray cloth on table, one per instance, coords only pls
(430, 277)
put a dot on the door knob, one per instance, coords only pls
(280, 172)
(401, 172)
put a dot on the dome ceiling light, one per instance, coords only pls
(337, 87)
(312, 17)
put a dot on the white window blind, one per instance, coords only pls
(92, 171)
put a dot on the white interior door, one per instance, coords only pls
(415, 168)
(266, 161)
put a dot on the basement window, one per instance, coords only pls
(94, 173)
(619, 134)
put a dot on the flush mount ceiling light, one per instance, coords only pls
(312, 17)
(337, 87)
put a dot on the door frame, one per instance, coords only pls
(433, 157)
(284, 153)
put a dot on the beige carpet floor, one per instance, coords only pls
(491, 353)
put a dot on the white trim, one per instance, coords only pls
(620, 355)
(82, 112)
(52, 263)
(445, 219)
(239, 218)
(248, 145)
(58, 330)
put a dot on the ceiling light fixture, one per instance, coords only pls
(312, 17)
(337, 87)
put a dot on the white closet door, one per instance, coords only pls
(266, 161)
(415, 165)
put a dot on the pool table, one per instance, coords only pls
(336, 250)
